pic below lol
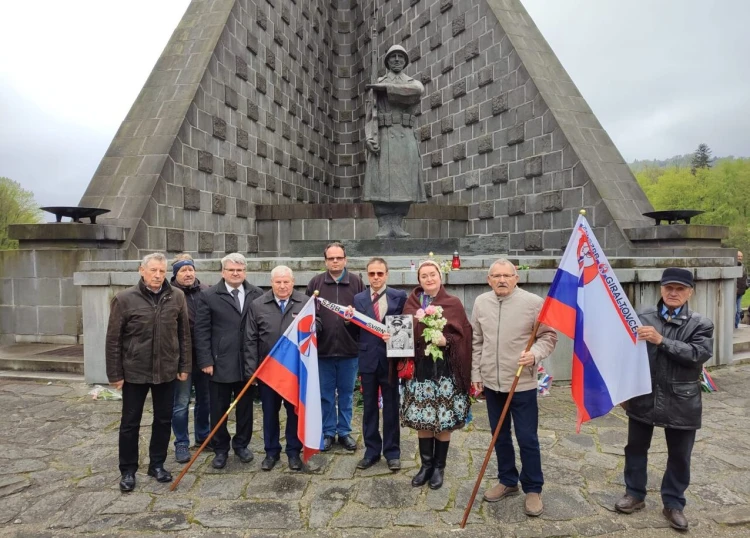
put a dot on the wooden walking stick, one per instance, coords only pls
(497, 428)
(218, 424)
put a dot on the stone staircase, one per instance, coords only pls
(49, 362)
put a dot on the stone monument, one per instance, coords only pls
(248, 136)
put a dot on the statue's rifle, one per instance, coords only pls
(371, 108)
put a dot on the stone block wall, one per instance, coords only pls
(38, 300)
(263, 102)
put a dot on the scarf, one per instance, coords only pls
(457, 333)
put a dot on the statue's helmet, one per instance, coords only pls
(394, 49)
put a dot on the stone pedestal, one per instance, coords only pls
(418, 248)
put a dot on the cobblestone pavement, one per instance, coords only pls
(58, 477)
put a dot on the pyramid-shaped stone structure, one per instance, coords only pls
(258, 102)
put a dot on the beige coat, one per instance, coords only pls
(502, 327)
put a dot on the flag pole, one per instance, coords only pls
(221, 421)
(218, 425)
(497, 428)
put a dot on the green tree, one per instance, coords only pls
(723, 192)
(17, 206)
(701, 158)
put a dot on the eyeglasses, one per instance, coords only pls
(375, 273)
(336, 258)
(234, 270)
(498, 277)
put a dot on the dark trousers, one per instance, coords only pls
(221, 397)
(524, 413)
(271, 402)
(389, 444)
(677, 474)
(133, 399)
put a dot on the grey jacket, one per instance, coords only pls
(220, 331)
(676, 365)
(501, 328)
(266, 324)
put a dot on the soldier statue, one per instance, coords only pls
(394, 177)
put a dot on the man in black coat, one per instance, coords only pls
(184, 279)
(148, 346)
(377, 374)
(270, 315)
(679, 342)
(219, 336)
(337, 348)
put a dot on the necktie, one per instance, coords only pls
(282, 305)
(376, 306)
(670, 314)
(236, 294)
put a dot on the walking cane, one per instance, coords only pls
(497, 428)
(218, 424)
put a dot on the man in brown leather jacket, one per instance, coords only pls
(679, 342)
(148, 346)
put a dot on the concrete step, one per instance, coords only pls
(37, 363)
(742, 357)
(26, 375)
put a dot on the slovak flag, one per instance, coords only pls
(291, 369)
(587, 304)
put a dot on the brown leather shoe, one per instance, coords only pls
(676, 518)
(498, 491)
(629, 504)
(533, 505)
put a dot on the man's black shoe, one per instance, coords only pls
(348, 443)
(327, 443)
(629, 504)
(394, 464)
(269, 462)
(366, 463)
(220, 460)
(245, 454)
(676, 518)
(295, 462)
(160, 473)
(127, 482)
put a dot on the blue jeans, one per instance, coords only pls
(180, 413)
(524, 413)
(738, 312)
(337, 376)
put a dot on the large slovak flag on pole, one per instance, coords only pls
(587, 304)
(291, 369)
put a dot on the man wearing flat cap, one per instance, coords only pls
(679, 342)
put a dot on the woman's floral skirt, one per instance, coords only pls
(434, 405)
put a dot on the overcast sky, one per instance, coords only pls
(661, 75)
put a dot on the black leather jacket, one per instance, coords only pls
(676, 365)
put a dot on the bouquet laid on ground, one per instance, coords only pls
(434, 322)
(707, 382)
(544, 381)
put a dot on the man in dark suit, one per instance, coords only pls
(219, 337)
(377, 302)
(270, 316)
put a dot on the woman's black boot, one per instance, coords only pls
(426, 447)
(438, 463)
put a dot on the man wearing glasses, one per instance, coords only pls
(219, 336)
(502, 322)
(337, 347)
(377, 302)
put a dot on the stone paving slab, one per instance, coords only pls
(58, 477)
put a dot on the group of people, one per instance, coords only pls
(166, 337)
